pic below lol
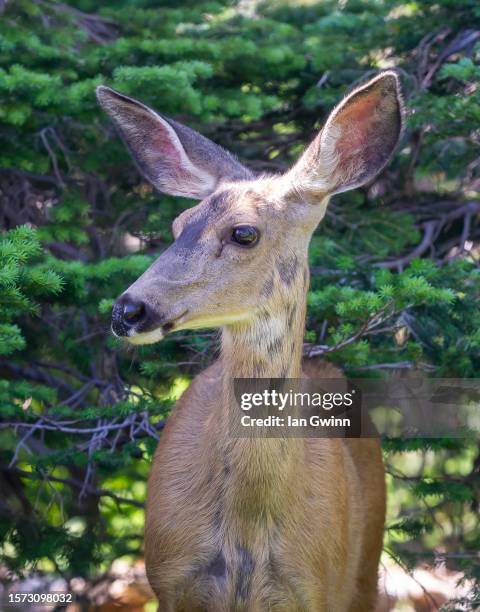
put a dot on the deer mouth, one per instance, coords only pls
(156, 334)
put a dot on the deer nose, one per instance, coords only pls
(133, 312)
(126, 314)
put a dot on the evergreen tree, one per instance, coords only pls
(395, 274)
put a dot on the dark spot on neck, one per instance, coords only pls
(272, 567)
(218, 566)
(267, 288)
(287, 269)
(275, 346)
(246, 565)
(226, 465)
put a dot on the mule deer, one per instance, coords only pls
(252, 524)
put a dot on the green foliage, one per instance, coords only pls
(20, 281)
(395, 275)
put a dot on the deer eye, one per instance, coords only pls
(245, 235)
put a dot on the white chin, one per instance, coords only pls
(146, 338)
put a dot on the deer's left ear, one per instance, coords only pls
(174, 158)
(356, 142)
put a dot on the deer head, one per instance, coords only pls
(248, 237)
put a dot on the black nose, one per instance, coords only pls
(133, 312)
(128, 313)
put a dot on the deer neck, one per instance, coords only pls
(271, 344)
(263, 472)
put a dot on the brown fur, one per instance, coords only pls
(253, 524)
(313, 525)
(260, 524)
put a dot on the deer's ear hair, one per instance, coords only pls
(174, 158)
(355, 143)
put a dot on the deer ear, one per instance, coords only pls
(356, 142)
(174, 158)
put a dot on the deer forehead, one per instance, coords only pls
(247, 202)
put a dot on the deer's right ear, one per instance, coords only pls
(355, 143)
(174, 158)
